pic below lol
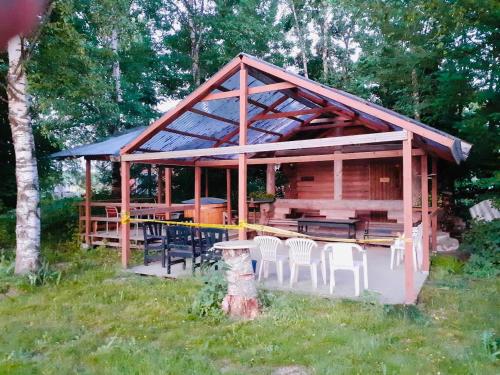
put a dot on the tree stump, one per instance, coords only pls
(241, 300)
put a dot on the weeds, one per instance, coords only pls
(491, 344)
(207, 302)
(44, 275)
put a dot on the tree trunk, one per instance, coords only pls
(28, 200)
(415, 94)
(116, 66)
(325, 25)
(300, 36)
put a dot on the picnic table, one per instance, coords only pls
(303, 225)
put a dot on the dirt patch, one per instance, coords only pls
(292, 370)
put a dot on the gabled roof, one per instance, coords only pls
(200, 123)
(105, 149)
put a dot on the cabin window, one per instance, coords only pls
(307, 178)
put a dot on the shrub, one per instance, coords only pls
(260, 195)
(482, 243)
(43, 275)
(59, 217)
(447, 264)
(207, 302)
(491, 343)
(7, 231)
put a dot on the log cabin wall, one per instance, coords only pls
(379, 179)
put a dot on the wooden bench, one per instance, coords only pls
(375, 229)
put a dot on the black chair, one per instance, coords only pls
(207, 237)
(154, 242)
(181, 245)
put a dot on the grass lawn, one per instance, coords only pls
(100, 320)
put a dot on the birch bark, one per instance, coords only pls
(28, 200)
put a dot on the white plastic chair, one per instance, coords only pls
(342, 258)
(268, 246)
(301, 255)
(398, 249)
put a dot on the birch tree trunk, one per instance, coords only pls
(116, 66)
(415, 94)
(300, 37)
(325, 26)
(28, 200)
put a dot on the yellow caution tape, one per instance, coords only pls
(125, 219)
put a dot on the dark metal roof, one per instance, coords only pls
(106, 148)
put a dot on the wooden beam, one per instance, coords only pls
(424, 180)
(337, 172)
(206, 182)
(434, 203)
(350, 101)
(408, 221)
(226, 139)
(308, 111)
(228, 196)
(125, 211)
(88, 200)
(193, 135)
(289, 145)
(251, 91)
(159, 182)
(309, 158)
(197, 194)
(227, 71)
(168, 189)
(242, 158)
(271, 179)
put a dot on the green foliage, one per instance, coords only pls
(482, 243)
(448, 264)
(411, 313)
(207, 302)
(59, 217)
(43, 275)
(7, 231)
(260, 195)
(491, 343)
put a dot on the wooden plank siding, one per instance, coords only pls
(362, 180)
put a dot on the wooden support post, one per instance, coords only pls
(425, 212)
(168, 189)
(408, 220)
(337, 171)
(271, 179)
(228, 196)
(434, 199)
(88, 200)
(197, 194)
(242, 158)
(159, 187)
(125, 240)
(206, 182)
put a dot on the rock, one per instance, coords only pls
(291, 370)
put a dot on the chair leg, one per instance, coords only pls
(314, 275)
(323, 267)
(168, 264)
(393, 253)
(415, 266)
(332, 280)
(296, 274)
(365, 277)
(356, 281)
(266, 270)
(261, 268)
(279, 267)
(292, 273)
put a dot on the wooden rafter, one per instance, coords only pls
(200, 136)
(300, 112)
(251, 91)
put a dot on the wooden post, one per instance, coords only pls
(197, 194)
(337, 171)
(425, 212)
(271, 179)
(159, 188)
(206, 182)
(125, 240)
(242, 158)
(434, 198)
(88, 200)
(168, 189)
(408, 220)
(228, 195)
